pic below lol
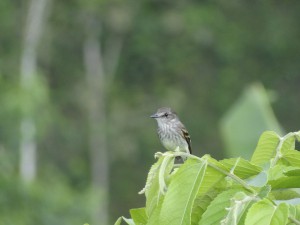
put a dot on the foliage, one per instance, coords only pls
(48, 202)
(204, 191)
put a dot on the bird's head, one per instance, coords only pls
(164, 115)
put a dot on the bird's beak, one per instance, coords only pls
(154, 116)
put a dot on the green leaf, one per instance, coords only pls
(265, 213)
(128, 221)
(154, 217)
(152, 187)
(242, 167)
(292, 157)
(294, 172)
(294, 214)
(216, 211)
(288, 144)
(283, 194)
(278, 171)
(182, 191)
(238, 208)
(278, 179)
(265, 148)
(200, 205)
(285, 182)
(212, 176)
(139, 216)
(119, 221)
(249, 117)
(264, 191)
(153, 173)
(164, 172)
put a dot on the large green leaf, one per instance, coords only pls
(265, 148)
(139, 216)
(154, 217)
(246, 119)
(200, 205)
(266, 213)
(182, 191)
(152, 187)
(241, 167)
(216, 211)
(212, 176)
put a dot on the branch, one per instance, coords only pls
(234, 177)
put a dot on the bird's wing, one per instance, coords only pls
(187, 137)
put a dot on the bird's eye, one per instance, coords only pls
(166, 114)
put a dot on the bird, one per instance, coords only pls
(171, 131)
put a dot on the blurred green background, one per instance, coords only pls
(79, 80)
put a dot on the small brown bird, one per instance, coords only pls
(171, 131)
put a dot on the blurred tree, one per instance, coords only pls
(100, 71)
(35, 22)
(97, 118)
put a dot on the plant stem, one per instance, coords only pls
(279, 146)
(297, 222)
(234, 177)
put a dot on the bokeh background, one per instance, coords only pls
(79, 79)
